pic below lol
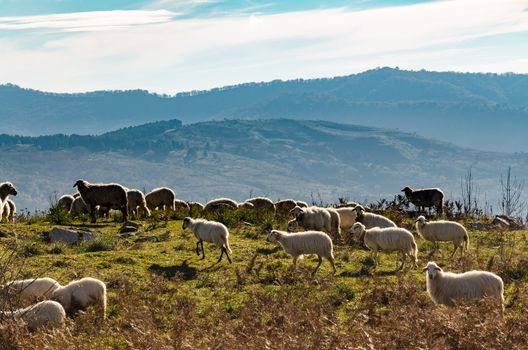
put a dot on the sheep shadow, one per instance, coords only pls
(368, 273)
(268, 251)
(184, 271)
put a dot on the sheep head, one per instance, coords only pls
(81, 184)
(408, 191)
(421, 220)
(296, 211)
(273, 236)
(292, 225)
(432, 270)
(7, 189)
(186, 223)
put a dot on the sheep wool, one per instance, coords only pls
(443, 231)
(209, 231)
(31, 290)
(66, 201)
(80, 294)
(308, 242)
(137, 203)
(46, 312)
(371, 220)
(111, 196)
(6, 189)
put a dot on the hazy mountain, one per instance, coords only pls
(275, 157)
(484, 111)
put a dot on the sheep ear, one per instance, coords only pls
(424, 269)
(437, 268)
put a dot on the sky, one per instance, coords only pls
(169, 46)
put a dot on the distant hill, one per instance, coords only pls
(483, 111)
(237, 158)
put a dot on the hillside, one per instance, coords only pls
(483, 111)
(238, 158)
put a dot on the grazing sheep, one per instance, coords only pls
(179, 204)
(347, 217)
(209, 231)
(443, 231)
(308, 242)
(245, 205)
(283, 207)
(195, 208)
(301, 204)
(447, 287)
(66, 202)
(78, 207)
(46, 312)
(137, 203)
(371, 220)
(161, 198)
(105, 195)
(79, 294)
(218, 203)
(426, 197)
(30, 290)
(317, 219)
(6, 189)
(389, 239)
(262, 204)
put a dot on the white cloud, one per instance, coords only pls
(86, 21)
(198, 53)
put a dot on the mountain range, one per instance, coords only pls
(480, 111)
(279, 158)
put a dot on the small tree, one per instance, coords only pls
(470, 193)
(510, 200)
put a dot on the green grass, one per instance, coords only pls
(190, 294)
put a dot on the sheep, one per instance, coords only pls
(46, 312)
(179, 204)
(347, 217)
(218, 203)
(371, 220)
(283, 207)
(66, 202)
(30, 290)
(388, 239)
(245, 205)
(443, 231)
(262, 204)
(195, 208)
(6, 189)
(137, 203)
(447, 287)
(79, 294)
(426, 197)
(315, 218)
(78, 207)
(308, 242)
(209, 231)
(302, 204)
(106, 195)
(160, 198)
(10, 210)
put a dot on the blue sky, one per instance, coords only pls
(169, 46)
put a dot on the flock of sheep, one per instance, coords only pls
(323, 227)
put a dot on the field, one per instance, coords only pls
(162, 296)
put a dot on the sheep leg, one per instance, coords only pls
(221, 255)
(92, 214)
(198, 248)
(319, 264)
(454, 251)
(294, 265)
(402, 261)
(332, 263)
(203, 252)
(227, 255)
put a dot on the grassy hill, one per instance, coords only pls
(484, 111)
(279, 158)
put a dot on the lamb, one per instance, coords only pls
(209, 231)
(30, 290)
(426, 197)
(79, 294)
(388, 239)
(137, 203)
(371, 220)
(66, 202)
(447, 287)
(10, 210)
(308, 242)
(218, 203)
(161, 198)
(78, 207)
(262, 204)
(315, 218)
(105, 195)
(283, 207)
(6, 189)
(46, 312)
(443, 231)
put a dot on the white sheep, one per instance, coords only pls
(79, 294)
(262, 204)
(371, 220)
(6, 189)
(347, 216)
(316, 218)
(388, 239)
(181, 205)
(308, 242)
(104, 195)
(218, 203)
(195, 207)
(245, 205)
(443, 231)
(46, 312)
(30, 290)
(447, 287)
(78, 207)
(65, 202)
(137, 203)
(301, 204)
(10, 210)
(161, 198)
(209, 231)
